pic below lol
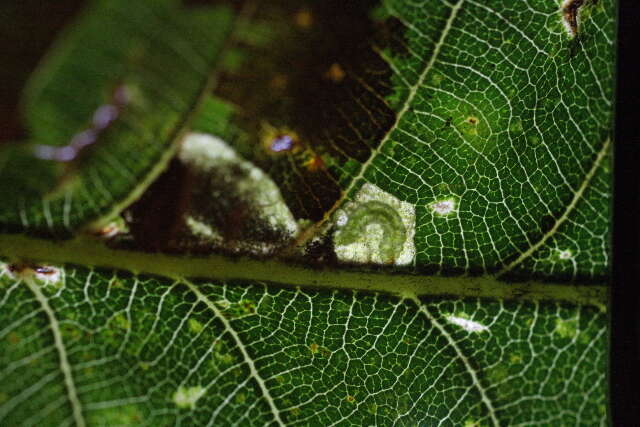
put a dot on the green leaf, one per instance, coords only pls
(131, 350)
(495, 127)
(149, 63)
(383, 214)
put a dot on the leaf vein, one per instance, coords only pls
(234, 334)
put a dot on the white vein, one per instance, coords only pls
(65, 367)
(470, 370)
(413, 91)
(577, 196)
(241, 347)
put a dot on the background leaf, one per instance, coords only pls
(157, 60)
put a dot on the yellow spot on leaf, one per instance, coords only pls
(515, 358)
(278, 81)
(13, 338)
(335, 73)
(566, 328)
(121, 322)
(195, 326)
(304, 19)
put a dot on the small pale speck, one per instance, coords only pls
(186, 397)
(443, 207)
(341, 218)
(566, 254)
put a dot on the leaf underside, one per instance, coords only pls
(441, 141)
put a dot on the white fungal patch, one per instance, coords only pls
(465, 323)
(204, 151)
(341, 218)
(199, 228)
(444, 206)
(44, 274)
(376, 228)
(208, 153)
(186, 397)
(565, 254)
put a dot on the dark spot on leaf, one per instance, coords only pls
(321, 251)
(570, 13)
(546, 223)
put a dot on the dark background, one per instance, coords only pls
(624, 355)
(27, 28)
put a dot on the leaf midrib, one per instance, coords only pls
(93, 252)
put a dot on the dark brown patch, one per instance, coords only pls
(321, 252)
(155, 218)
(320, 77)
(571, 10)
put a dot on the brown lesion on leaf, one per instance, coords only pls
(571, 13)
(158, 221)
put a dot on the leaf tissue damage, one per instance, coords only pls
(317, 81)
(310, 101)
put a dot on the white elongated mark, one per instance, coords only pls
(44, 274)
(186, 397)
(467, 324)
(102, 118)
(444, 206)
